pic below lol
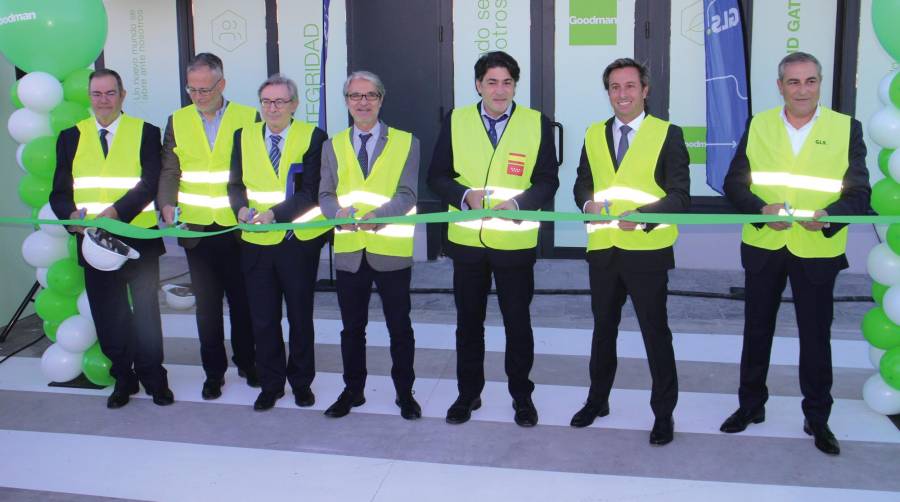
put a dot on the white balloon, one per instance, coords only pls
(880, 396)
(884, 127)
(41, 275)
(875, 356)
(19, 150)
(41, 249)
(40, 91)
(883, 265)
(881, 229)
(84, 306)
(891, 304)
(884, 88)
(25, 125)
(60, 365)
(46, 213)
(76, 334)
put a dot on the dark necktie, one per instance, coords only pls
(623, 144)
(275, 152)
(103, 143)
(363, 155)
(492, 128)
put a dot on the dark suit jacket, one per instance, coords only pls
(129, 205)
(544, 182)
(672, 174)
(854, 199)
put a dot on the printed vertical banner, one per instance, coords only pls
(302, 52)
(726, 87)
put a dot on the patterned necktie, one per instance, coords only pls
(275, 152)
(623, 144)
(492, 128)
(363, 155)
(103, 143)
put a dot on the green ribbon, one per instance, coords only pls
(127, 230)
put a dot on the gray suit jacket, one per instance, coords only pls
(403, 200)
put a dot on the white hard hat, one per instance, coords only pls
(178, 296)
(104, 252)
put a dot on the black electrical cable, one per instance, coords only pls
(20, 349)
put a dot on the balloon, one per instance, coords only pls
(19, 150)
(60, 365)
(34, 191)
(40, 91)
(893, 164)
(39, 156)
(41, 275)
(50, 328)
(84, 306)
(52, 306)
(881, 230)
(894, 91)
(75, 87)
(875, 355)
(884, 88)
(67, 278)
(66, 115)
(41, 249)
(76, 334)
(72, 248)
(46, 213)
(14, 95)
(884, 127)
(893, 238)
(880, 396)
(55, 36)
(883, 265)
(886, 197)
(879, 330)
(885, 14)
(24, 125)
(884, 157)
(878, 291)
(96, 367)
(892, 304)
(890, 367)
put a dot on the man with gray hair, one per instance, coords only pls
(196, 157)
(275, 179)
(805, 160)
(370, 171)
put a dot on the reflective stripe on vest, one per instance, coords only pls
(631, 186)
(264, 189)
(204, 172)
(807, 182)
(505, 171)
(369, 193)
(98, 182)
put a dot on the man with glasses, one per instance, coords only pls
(371, 171)
(196, 158)
(107, 166)
(275, 179)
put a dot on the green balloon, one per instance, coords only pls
(885, 14)
(890, 367)
(55, 36)
(96, 366)
(879, 330)
(66, 277)
(66, 115)
(14, 95)
(34, 191)
(886, 197)
(893, 237)
(883, 157)
(39, 156)
(894, 90)
(878, 291)
(50, 328)
(75, 87)
(72, 246)
(53, 306)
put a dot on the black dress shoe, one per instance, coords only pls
(461, 410)
(526, 414)
(825, 440)
(122, 394)
(740, 419)
(212, 388)
(304, 397)
(348, 399)
(163, 397)
(409, 408)
(266, 400)
(588, 413)
(250, 375)
(663, 431)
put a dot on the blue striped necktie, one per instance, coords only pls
(275, 152)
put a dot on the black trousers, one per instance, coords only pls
(130, 335)
(285, 272)
(515, 289)
(647, 289)
(814, 306)
(212, 265)
(353, 291)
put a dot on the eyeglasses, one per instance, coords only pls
(107, 94)
(358, 96)
(277, 103)
(202, 91)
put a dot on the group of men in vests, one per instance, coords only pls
(221, 163)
